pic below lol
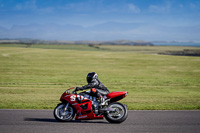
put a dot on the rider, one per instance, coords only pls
(97, 88)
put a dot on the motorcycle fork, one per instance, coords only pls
(65, 109)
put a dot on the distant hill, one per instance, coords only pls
(102, 31)
(35, 41)
(115, 42)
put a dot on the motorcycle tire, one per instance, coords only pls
(119, 115)
(64, 116)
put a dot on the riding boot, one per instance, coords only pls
(101, 100)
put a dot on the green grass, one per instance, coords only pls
(35, 77)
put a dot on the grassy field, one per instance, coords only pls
(34, 77)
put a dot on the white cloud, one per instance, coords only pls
(1, 5)
(160, 9)
(46, 10)
(32, 5)
(181, 5)
(134, 8)
(79, 6)
(192, 6)
(28, 5)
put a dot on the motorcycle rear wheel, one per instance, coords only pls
(119, 115)
(63, 115)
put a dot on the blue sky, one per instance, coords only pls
(101, 19)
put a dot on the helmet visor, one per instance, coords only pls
(89, 79)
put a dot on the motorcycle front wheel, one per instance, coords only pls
(63, 114)
(119, 115)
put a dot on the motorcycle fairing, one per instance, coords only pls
(82, 105)
(116, 95)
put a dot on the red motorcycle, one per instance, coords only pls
(86, 107)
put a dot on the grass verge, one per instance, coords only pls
(35, 77)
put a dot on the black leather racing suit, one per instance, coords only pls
(100, 88)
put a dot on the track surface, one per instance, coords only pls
(42, 121)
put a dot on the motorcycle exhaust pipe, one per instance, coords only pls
(107, 109)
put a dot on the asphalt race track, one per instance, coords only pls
(42, 121)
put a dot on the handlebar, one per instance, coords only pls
(74, 91)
